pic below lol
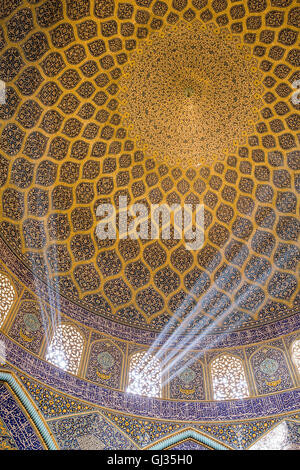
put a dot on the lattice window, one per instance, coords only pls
(296, 353)
(228, 378)
(144, 375)
(66, 347)
(7, 297)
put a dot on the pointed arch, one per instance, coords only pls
(144, 375)
(66, 347)
(228, 377)
(270, 369)
(187, 379)
(188, 433)
(7, 297)
(105, 363)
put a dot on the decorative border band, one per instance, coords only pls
(131, 333)
(29, 407)
(248, 408)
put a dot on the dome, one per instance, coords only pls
(149, 179)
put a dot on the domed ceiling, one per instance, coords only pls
(162, 102)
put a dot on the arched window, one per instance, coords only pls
(7, 297)
(144, 375)
(228, 378)
(66, 347)
(296, 353)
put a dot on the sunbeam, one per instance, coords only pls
(182, 340)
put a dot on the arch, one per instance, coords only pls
(30, 324)
(7, 297)
(295, 354)
(228, 377)
(187, 380)
(105, 363)
(270, 369)
(181, 436)
(107, 340)
(144, 375)
(66, 347)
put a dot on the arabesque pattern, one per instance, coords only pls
(65, 148)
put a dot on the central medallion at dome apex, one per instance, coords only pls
(191, 94)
